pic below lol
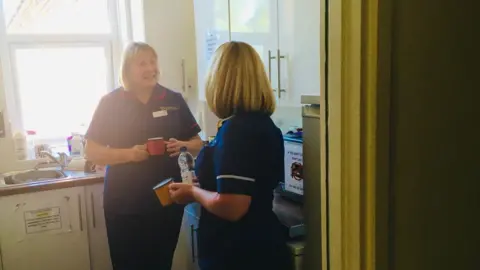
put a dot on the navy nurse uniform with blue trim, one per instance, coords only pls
(246, 157)
(141, 233)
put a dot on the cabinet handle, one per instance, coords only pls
(280, 90)
(184, 86)
(270, 57)
(80, 212)
(94, 220)
(192, 235)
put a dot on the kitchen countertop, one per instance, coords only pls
(289, 213)
(73, 179)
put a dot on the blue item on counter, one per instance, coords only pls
(69, 143)
(296, 133)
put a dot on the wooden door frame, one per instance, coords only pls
(358, 100)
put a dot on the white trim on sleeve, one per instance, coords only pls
(236, 177)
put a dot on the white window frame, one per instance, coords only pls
(112, 42)
(17, 106)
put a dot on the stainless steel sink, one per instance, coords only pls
(32, 176)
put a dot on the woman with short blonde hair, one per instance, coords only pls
(237, 81)
(239, 169)
(141, 233)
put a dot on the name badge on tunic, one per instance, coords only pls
(161, 113)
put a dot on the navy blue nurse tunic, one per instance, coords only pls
(141, 233)
(246, 157)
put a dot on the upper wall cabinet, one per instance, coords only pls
(285, 33)
(211, 30)
(299, 26)
(255, 22)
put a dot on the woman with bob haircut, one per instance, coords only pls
(141, 233)
(239, 170)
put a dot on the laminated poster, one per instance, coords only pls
(294, 168)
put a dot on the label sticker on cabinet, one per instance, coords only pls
(41, 220)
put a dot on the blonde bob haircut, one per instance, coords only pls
(236, 81)
(129, 53)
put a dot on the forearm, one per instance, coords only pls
(210, 201)
(102, 155)
(194, 145)
(219, 204)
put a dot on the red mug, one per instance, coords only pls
(156, 146)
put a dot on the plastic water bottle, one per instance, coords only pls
(21, 148)
(186, 162)
(76, 144)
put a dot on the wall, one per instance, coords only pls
(6, 144)
(169, 28)
(434, 136)
(287, 117)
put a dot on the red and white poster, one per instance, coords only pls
(294, 167)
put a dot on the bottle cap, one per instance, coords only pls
(183, 149)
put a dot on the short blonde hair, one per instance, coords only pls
(129, 53)
(237, 81)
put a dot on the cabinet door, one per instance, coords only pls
(192, 226)
(99, 251)
(255, 22)
(186, 252)
(45, 229)
(170, 29)
(211, 30)
(299, 27)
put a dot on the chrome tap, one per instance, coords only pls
(62, 161)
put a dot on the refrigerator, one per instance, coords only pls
(312, 187)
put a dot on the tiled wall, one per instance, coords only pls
(284, 118)
(287, 117)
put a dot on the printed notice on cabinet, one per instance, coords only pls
(211, 43)
(294, 168)
(42, 220)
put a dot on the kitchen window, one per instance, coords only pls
(58, 57)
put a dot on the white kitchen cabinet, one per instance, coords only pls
(285, 33)
(189, 242)
(299, 26)
(211, 30)
(47, 230)
(97, 232)
(255, 22)
(169, 28)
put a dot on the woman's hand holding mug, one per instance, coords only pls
(138, 153)
(174, 146)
